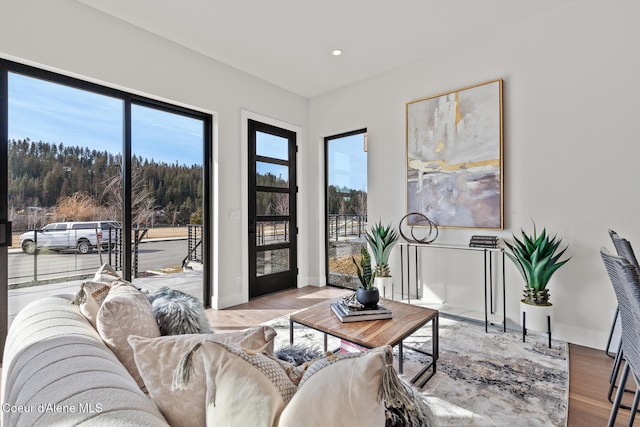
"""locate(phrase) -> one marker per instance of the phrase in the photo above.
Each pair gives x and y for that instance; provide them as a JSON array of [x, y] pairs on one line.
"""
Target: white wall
[[571, 148], [69, 37]]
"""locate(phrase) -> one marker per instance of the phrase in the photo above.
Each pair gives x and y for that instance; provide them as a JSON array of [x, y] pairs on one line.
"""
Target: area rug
[[482, 379]]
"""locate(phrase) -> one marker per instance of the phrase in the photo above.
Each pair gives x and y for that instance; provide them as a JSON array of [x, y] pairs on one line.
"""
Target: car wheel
[[84, 247], [29, 247]]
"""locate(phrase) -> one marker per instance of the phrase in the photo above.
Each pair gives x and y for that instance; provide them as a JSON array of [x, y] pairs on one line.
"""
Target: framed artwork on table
[[454, 157]]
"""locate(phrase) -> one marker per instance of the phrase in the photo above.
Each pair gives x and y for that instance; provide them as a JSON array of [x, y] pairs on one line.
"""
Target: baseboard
[[226, 301]]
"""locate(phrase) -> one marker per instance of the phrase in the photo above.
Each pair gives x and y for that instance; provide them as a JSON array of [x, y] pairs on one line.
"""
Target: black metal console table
[[405, 256]]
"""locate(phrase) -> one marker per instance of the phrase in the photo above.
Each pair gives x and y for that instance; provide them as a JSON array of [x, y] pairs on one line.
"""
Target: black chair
[[624, 250], [625, 278]]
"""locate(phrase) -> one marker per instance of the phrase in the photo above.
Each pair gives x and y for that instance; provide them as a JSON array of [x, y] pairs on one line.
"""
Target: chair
[[625, 279], [624, 250]]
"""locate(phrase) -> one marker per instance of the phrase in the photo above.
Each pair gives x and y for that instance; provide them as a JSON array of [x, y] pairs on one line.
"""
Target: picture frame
[[454, 157]]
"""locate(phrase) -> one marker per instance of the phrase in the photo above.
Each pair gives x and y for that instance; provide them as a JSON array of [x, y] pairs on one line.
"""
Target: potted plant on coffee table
[[381, 240], [537, 257], [367, 294]]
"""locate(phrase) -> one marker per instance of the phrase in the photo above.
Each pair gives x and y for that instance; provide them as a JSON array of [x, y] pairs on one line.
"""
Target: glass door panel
[[64, 150], [167, 203], [346, 200]]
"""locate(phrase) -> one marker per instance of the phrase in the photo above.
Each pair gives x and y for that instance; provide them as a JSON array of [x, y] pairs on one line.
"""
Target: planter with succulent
[[537, 258], [381, 240], [367, 294]]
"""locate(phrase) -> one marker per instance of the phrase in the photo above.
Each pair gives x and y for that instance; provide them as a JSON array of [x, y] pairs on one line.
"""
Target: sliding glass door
[[93, 176], [64, 145], [167, 195]]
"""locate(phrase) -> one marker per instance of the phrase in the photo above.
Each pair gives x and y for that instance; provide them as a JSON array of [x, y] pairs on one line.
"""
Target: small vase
[[536, 315], [384, 285], [368, 297]]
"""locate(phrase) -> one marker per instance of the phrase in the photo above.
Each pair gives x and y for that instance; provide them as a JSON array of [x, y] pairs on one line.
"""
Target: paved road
[[153, 255]]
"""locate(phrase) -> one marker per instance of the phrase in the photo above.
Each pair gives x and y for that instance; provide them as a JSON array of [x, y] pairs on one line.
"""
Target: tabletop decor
[[367, 294], [381, 240]]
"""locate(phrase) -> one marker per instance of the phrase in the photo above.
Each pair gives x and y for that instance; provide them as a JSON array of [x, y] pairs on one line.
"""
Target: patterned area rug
[[482, 379]]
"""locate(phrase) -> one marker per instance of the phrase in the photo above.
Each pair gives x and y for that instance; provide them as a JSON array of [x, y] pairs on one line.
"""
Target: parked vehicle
[[60, 236]]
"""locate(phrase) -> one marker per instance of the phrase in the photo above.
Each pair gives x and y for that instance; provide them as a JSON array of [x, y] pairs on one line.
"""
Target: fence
[[344, 225]]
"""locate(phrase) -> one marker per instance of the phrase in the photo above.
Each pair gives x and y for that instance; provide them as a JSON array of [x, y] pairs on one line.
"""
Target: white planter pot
[[385, 286], [536, 316]]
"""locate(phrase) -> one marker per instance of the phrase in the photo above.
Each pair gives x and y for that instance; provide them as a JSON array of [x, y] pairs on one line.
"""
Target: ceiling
[[289, 42]]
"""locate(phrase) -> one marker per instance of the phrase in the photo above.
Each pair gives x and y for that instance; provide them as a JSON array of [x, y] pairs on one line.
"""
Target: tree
[[79, 206], [196, 217]]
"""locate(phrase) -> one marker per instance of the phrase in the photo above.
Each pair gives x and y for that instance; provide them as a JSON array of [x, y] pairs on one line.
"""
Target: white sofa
[[57, 371]]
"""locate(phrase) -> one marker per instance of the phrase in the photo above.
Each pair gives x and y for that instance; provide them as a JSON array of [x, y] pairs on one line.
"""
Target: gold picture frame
[[454, 157]]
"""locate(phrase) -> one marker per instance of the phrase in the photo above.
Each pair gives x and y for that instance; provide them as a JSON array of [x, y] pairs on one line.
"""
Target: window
[[346, 205], [94, 157]]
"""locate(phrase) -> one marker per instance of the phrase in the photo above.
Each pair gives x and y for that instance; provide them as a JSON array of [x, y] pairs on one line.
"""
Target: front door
[[272, 209]]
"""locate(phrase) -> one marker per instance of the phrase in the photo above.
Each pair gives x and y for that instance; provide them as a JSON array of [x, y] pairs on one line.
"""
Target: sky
[[348, 162], [53, 113]]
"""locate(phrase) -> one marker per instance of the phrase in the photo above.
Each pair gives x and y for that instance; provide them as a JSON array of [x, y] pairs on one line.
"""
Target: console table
[[406, 264]]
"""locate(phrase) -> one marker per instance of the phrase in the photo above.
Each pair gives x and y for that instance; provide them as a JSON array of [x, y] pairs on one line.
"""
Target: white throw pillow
[[89, 298], [245, 388], [340, 390], [157, 358], [106, 274], [126, 311]]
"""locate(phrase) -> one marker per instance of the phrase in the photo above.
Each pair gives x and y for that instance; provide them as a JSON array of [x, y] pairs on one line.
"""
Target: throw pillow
[[156, 359], [89, 298], [106, 274], [178, 313], [243, 388], [348, 383], [126, 311]]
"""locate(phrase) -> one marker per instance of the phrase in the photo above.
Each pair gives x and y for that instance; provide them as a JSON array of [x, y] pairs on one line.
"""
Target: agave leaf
[[381, 240], [536, 256]]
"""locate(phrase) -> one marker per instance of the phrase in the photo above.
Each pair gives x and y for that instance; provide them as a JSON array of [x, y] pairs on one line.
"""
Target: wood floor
[[589, 369]]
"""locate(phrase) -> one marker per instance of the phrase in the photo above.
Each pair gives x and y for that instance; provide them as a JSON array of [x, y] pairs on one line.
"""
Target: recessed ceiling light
[[337, 52]]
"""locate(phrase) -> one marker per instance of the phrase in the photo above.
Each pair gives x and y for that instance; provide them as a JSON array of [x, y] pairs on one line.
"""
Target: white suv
[[59, 236]]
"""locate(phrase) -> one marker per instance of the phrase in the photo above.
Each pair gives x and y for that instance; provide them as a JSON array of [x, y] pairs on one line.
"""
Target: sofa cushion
[[126, 311], [106, 274], [157, 358], [54, 356], [245, 388], [90, 297], [350, 382]]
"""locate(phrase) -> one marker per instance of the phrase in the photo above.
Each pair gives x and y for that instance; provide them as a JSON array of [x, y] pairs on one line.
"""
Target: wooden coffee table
[[406, 320]]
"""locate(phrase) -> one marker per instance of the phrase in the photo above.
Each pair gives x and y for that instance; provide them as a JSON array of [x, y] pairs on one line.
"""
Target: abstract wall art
[[454, 157]]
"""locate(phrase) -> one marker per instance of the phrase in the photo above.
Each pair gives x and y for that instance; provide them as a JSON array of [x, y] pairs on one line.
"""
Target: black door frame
[[262, 285], [128, 99], [326, 198]]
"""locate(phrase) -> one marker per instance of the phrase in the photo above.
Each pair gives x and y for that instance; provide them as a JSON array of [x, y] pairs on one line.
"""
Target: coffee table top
[[369, 333]]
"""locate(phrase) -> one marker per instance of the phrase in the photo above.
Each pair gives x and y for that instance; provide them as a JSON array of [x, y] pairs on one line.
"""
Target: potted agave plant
[[537, 258], [381, 240], [367, 294]]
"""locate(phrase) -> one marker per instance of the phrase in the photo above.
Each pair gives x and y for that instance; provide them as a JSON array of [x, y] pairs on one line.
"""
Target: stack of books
[[352, 314], [484, 241]]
